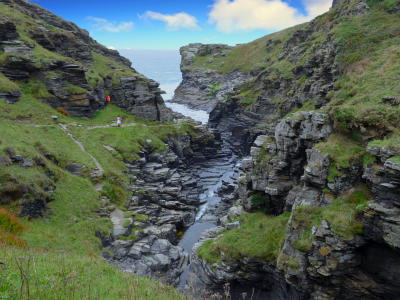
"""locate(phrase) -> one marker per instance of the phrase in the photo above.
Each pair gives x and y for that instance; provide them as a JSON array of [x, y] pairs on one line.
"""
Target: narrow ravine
[[215, 179], [213, 176]]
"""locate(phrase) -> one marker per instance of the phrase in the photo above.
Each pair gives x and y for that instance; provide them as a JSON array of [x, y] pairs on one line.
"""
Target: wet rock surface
[[167, 189]]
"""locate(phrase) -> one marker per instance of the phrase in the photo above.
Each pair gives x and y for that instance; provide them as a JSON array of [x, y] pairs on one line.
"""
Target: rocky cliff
[[202, 86], [165, 196], [53, 60], [317, 213]]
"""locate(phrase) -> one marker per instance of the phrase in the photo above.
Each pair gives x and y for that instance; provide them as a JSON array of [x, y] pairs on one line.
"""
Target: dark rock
[[33, 208], [10, 97], [76, 169]]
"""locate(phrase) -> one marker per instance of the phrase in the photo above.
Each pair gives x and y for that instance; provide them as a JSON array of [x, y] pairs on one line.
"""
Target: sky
[[163, 24]]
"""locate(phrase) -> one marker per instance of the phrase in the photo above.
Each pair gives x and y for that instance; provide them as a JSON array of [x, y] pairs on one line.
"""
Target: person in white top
[[119, 121]]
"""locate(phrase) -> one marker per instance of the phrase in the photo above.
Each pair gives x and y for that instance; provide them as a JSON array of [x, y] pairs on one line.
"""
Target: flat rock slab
[[118, 219]]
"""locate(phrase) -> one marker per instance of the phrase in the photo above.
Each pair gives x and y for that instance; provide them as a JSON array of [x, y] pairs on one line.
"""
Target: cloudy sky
[[164, 24]]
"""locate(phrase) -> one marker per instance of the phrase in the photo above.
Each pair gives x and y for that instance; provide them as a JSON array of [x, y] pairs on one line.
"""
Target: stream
[[219, 172], [212, 175]]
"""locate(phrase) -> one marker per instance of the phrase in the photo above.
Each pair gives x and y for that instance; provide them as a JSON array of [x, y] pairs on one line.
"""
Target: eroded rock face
[[66, 75], [203, 88], [166, 194], [291, 173]]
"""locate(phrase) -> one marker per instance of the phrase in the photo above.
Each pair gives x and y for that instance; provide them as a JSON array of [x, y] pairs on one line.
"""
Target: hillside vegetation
[[50, 187], [343, 65]]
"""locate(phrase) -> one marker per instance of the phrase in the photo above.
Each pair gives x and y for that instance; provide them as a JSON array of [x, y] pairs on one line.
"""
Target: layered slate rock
[[165, 195], [203, 88], [71, 69]]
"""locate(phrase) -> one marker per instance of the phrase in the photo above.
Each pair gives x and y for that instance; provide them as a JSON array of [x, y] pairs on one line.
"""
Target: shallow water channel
[[211, 176]]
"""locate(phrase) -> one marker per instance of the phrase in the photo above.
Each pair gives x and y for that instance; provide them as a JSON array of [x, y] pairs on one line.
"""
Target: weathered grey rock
[[27, 163], [195, 88], [76, 169], [10, 97], [316, 171]]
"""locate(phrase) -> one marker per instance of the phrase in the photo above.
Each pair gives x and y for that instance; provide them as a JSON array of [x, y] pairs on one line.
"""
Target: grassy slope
[[62, 250], [260, 236], [101, 68], [248, 56], [55, 275], [73, 222], [369, 56]]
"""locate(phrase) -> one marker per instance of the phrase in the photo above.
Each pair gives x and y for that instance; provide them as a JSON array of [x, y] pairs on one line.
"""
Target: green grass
[[247, 57], [74, 222], [214, 89], [74, 89], [115, 192], [248, 95], [109, 115], [34, 142], [29, 110], [395, 159], [6, 85], [343, 153], [392, 143], [59, 275], [10, 223], [127, 141], [260, 236], [127, 222], [132, 236], [343, 215], [141, 217], [36, 89], [369, 56], [105, 67]]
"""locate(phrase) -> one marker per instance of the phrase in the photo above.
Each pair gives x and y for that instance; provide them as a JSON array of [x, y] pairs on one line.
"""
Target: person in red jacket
[[108, 99]]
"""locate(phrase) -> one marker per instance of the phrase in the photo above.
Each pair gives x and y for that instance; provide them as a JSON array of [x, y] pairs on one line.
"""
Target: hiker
[[108, 99], [119, 121]]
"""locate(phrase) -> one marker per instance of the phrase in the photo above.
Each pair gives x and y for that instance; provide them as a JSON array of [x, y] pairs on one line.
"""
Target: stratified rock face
[[76, 70], [291, 172], [166, 193], [293, 164], [202, 88]]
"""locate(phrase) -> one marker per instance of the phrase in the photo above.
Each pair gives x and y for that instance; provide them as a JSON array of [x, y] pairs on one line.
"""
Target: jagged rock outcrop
[[203, 88], [165, 194], [292, 173], [342, 196], [68, 68]]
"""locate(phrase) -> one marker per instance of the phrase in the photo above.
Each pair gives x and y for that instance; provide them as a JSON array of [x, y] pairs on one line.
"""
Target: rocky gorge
[[290, 192], [337, 194]]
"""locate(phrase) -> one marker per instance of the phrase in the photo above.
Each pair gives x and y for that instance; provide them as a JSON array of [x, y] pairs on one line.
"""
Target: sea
[[163, 66]]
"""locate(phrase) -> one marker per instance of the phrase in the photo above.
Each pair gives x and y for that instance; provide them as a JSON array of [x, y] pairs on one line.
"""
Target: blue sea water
[[164, 67], [160, 65]]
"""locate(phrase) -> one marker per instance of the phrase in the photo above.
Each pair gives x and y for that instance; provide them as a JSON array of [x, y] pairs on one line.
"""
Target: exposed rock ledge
[[202, 88]]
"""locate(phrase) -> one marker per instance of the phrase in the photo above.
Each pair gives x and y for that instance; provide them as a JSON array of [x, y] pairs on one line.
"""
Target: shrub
[[62, 111], [10, 223], [342, 214], [9, 239]]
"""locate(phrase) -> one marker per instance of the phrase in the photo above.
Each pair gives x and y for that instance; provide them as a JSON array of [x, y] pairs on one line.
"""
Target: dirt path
[[112, 125], [99, 169]]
